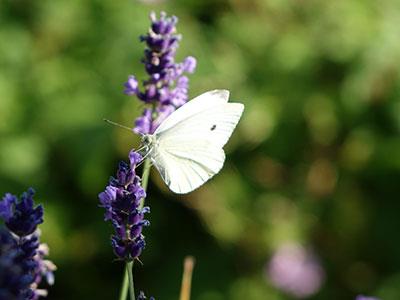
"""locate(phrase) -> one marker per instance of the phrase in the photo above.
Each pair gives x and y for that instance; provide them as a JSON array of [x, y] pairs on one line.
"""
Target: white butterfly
[[187, 146]]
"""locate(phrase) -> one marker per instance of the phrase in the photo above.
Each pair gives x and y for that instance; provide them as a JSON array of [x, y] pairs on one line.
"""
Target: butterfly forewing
[[188, 149], [214, 125], [198, 104]]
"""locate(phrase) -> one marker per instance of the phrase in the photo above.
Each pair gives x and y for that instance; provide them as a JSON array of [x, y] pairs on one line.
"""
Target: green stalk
[[145, 178], [124, 287], [129, 266], [127, 282]]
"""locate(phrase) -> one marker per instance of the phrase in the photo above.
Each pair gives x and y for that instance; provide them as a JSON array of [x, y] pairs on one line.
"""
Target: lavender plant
[[166, 89], [163, 92], [22, 257], [122, 203]]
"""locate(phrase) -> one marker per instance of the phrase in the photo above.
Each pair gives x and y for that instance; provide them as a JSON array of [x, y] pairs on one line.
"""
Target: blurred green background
[[315, 159]]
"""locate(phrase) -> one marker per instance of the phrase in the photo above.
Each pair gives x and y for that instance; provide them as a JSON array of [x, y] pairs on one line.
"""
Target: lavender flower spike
[[121, 200], [166, 89], [21, 250]]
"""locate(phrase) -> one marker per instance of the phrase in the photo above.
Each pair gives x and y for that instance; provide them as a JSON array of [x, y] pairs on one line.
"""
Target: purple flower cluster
[[22, 257], [296, 271], [362, 297], [14, 282], [122, 202], [167, 87]]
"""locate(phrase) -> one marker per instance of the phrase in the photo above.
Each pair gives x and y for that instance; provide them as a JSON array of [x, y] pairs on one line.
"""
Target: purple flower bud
[[136, 219], [136, 230], [180, 92], [131, 86], [134, 158], [139, 193], [120, 229], [6, 206], [119, 247], [137, 247], [145, 210], [143, 124], [155, 77], [108, 195], [21, 217], [45, 268], [151, 92], [190, 64]]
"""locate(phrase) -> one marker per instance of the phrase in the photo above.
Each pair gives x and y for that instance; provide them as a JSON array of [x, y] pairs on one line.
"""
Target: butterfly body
[[186, 148]]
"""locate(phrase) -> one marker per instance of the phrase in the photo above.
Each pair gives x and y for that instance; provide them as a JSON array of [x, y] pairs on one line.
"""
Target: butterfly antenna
[[117, 124], [144, 156]]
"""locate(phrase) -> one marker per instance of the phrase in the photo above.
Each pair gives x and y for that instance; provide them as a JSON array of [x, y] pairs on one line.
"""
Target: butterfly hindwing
[[184, 169]]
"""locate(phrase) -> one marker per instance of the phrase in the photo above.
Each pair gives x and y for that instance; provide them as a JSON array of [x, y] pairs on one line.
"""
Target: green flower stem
[[125, 285], [128, 277], [145, 178], [129, 266]]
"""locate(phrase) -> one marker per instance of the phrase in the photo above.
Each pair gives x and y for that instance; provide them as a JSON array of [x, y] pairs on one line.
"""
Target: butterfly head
[[148, 141]]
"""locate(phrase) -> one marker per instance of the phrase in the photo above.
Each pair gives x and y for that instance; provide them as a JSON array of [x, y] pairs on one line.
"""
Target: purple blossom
[[131, 86], [21, 247], [121, 201], [166, 89], [296, 271], [44, 269], [362, 297], [19, 215]]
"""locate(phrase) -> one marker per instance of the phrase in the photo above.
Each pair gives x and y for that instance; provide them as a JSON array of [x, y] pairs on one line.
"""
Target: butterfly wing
[[200, 103], [184, 169], [188, 149]]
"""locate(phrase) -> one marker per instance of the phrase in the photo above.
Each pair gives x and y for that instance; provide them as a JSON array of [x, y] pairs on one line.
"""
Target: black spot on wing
[[213, 127]]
